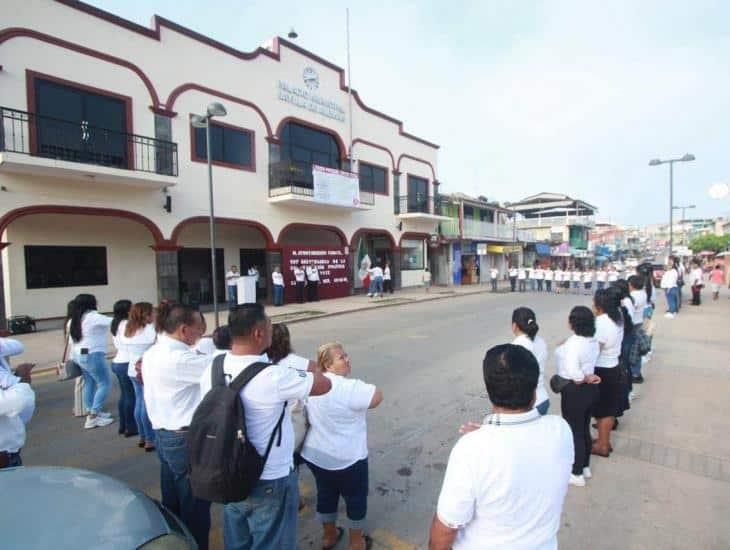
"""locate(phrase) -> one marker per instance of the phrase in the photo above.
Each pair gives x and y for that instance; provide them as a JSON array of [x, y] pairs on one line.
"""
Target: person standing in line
[[576, 360], [539, 277], [669, 284], [522, 278], [588, 281], [495, 494], [376, 281], [609, 333], [577, 277], [171, 371], [120, 365], [278, 279], [601, 277], [89, 335], [716, 280], [300, 279], [17, 404], [267, 519], [387, 279], [137, 337], [313, 283], [697, 281], [639, 303], [493, 278], [525, 328], [513, 274], [427, 280], [336, 447], [612, 275], [531, 281], [558, 279], [232, 285], [549, 276], [681, 272]]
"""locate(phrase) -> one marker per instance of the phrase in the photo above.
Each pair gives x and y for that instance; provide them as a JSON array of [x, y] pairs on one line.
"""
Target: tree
[[710, 242]]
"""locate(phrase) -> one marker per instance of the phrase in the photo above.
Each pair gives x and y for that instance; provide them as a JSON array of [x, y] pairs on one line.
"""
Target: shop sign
[[495, 249], [331, 264], [332, 186], [306, 98], [482, 249]]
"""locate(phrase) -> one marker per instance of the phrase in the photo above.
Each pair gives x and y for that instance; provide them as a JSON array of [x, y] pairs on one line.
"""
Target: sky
[[563, 96]]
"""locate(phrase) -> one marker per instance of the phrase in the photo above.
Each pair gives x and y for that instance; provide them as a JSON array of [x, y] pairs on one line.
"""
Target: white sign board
[[246, 289], [337, 187], [482, 249]]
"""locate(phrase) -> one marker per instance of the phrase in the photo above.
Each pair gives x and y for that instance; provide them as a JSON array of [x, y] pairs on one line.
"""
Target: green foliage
[[710, 242]]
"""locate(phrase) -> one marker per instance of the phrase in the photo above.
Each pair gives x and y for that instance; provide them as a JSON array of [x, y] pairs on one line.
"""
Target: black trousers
[[512, 283], [312, 291], [387, 286], [576, 406], [696, 289], [548, 286], [300, 291]]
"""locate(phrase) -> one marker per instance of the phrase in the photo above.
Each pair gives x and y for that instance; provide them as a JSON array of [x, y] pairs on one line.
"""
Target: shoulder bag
[[67, 369]]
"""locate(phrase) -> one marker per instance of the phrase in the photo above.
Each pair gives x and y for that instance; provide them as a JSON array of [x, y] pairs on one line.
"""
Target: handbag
[[558, 383], [79, 408], [67, 369]]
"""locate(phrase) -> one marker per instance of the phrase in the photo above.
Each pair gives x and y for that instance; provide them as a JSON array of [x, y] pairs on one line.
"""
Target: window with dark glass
[[373, 178], [417, 194], [301, 147], [486, 215], [232, 146], [468, 211], [61, 266]]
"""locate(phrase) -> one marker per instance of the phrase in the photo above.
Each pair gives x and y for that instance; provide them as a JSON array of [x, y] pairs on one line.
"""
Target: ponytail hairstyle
[[626, 320], [139, 316], [607, 300], [69, 313], [525, 320], [82, 304], [121, 313]]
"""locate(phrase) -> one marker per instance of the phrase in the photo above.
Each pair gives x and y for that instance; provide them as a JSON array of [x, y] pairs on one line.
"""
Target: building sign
[[336, 187], [331, 264], [495, 249], [482, 249], [307, 98]]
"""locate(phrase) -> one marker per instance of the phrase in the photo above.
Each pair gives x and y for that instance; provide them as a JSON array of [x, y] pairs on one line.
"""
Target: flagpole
[[349, 84]]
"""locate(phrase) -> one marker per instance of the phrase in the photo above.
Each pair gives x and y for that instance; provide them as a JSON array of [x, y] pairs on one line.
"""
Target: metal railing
[[410, 204], [545, 221], [450, 228], [295, 178], [42, 136]]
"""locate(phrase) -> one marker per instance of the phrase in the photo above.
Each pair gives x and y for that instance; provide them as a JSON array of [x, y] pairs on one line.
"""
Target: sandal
[[340, 533]]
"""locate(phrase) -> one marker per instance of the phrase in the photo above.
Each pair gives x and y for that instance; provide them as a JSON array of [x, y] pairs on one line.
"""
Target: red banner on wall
[[332, 264]]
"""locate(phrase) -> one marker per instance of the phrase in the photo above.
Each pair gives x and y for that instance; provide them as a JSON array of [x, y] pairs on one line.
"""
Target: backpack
[[224, 464]]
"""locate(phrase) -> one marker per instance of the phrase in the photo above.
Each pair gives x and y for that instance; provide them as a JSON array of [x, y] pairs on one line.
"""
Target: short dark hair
[[582, 321], [243, 318], [636, 281], [222, 337], [178, 315], [510, 375]]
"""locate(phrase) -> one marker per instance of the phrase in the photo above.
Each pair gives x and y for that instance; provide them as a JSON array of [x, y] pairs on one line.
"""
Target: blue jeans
[[600, 285], [351, 484], [177, 496], [278, 295], [494, 285], [533, 284], [97, 380], [376, 285], [232, 295], [267, 519], [14, 460], [672, 294], [144, 426], [543, 407], [127, 400]]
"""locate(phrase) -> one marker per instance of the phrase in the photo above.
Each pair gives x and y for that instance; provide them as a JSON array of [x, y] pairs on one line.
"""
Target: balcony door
[[302, 147], [80, 126], [417, 194]]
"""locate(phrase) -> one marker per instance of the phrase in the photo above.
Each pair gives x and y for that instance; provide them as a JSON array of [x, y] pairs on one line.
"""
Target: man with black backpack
[[242, 450]]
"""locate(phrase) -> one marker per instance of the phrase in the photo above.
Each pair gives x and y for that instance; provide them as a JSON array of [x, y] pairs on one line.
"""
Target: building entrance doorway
[[194, 273], [255, 257]]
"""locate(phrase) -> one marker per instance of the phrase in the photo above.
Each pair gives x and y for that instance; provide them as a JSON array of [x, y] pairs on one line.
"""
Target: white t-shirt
[[494, 273], [253, 272], [377, 272], [137, 344], [312, 274], [338, 432], [299, 274], [386, 274], [588, 277], [539, 349], [539, 274], [498, 492], [695, 277], [121, 356], [17, 404], [549, 275], [576, 357], [263, 399], [577, 276], [609, 335], [277, 278], [513, 272], [294, 362], [94, 333], [521, 274], [612, 276], [601, 276], [232, 278], [530, 273], [205, 346], [640, 302], [559, 276], [669, 279]]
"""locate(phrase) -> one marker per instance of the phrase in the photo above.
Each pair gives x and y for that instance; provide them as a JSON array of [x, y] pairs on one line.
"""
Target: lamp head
[[655, 162], [292, 34], [198, 121], [687, 157], [216, 109]]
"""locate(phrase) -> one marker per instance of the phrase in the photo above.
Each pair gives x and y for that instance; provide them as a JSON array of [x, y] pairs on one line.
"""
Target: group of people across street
[[562, 278]]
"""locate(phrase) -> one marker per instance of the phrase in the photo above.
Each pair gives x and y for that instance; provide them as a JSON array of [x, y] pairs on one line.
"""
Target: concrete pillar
[[3, 313], [168, 279], [395, 269]]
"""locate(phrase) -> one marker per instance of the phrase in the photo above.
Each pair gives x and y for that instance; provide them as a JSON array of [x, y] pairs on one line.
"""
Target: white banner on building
[[333, 186]]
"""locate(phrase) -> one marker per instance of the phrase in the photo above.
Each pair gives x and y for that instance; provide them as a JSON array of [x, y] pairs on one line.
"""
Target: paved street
[[665, 486]]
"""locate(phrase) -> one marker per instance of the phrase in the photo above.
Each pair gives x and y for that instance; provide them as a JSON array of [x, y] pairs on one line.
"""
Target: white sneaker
[[97, 422], [587, 474], [669, 315], [104, 414], [577, 481], [370, 295]]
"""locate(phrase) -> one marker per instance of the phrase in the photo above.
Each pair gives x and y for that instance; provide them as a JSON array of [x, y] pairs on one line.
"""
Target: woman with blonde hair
[[336, 448]]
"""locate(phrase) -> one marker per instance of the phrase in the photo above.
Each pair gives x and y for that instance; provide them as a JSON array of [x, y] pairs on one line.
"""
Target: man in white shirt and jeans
[[268, 517], [497, 493], [232, 285], [171, 371]]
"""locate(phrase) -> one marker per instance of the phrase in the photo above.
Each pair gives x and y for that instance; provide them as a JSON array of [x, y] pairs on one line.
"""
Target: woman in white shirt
[[120, 365], [638, 297], [671, 290], [549, 276], [387, 279], [336, 448], [138, 336], [525, 328], [522, 278], [576, 358], [696, 281], [609, 333], [588, 281], [577, 278], [558, 280], [88, 330]]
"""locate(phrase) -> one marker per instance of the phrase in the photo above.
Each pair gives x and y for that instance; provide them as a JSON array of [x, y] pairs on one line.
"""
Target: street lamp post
[[683, 209], [656, 162], [203, 121]]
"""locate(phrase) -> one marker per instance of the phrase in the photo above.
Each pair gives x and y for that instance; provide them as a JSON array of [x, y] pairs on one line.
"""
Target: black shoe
[[637, 379]]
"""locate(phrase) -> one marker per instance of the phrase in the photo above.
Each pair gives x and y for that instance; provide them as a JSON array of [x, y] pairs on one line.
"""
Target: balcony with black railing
[[417, 206], [42, 145], [292, 182]]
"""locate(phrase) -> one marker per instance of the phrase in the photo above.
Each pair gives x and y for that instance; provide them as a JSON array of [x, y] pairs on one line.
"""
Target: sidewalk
[[44, 348]]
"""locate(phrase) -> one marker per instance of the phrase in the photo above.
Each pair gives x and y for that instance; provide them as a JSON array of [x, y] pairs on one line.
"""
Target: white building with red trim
[[104, 181]]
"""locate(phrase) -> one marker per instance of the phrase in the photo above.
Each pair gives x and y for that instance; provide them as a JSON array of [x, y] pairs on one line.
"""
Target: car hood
[[48, 507]]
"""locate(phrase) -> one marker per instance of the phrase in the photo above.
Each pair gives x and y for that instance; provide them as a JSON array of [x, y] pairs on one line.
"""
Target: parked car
[[53, 507], [21, 324]]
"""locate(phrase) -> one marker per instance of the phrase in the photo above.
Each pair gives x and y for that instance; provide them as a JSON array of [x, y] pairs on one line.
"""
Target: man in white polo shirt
[[268, 517], [171, 372], [313, 283], [497, 492]]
